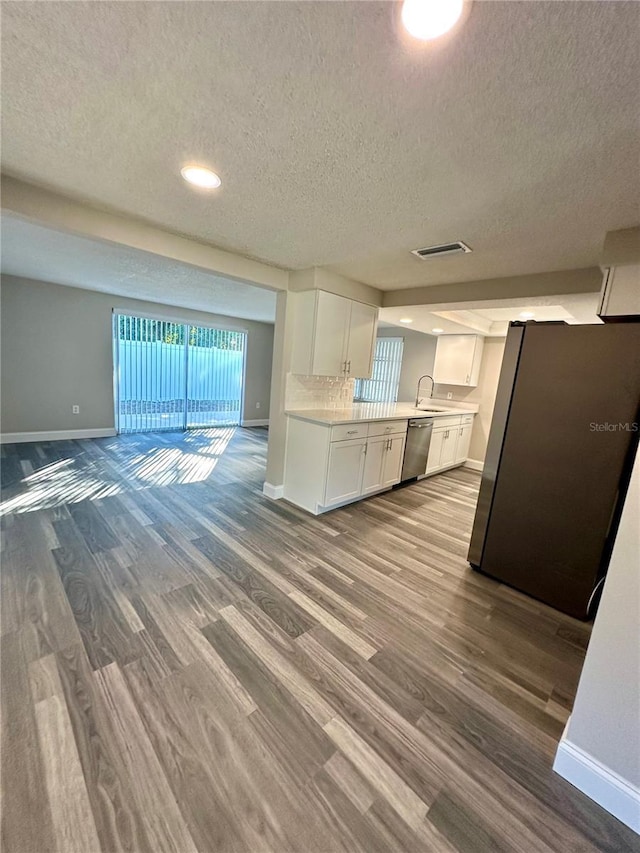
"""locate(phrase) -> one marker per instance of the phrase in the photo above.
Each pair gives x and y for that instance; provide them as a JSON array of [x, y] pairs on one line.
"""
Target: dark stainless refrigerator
[[562, 441]]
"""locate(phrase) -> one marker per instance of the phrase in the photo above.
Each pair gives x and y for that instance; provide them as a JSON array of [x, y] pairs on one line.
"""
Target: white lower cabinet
[[376, 451], [346, 467], [435, 451], [379, 466], [450, 441], [329, 466], [464, 440], [448, 452], [392, 467], [383, 463]]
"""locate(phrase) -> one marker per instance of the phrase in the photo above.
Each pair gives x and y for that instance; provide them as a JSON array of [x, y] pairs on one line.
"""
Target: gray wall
[[418, 358], [418, 355], [57, 351]]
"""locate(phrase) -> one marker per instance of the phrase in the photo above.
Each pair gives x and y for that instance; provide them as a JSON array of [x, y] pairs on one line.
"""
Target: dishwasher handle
[[421, 423]]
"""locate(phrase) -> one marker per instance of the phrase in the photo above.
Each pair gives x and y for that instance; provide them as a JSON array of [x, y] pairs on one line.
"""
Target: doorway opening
[[176, 375]]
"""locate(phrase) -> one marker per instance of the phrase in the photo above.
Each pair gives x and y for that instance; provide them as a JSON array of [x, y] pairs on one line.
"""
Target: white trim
[[273, 492], [55, 435], [257, 422], [599, 782], [474, 464]]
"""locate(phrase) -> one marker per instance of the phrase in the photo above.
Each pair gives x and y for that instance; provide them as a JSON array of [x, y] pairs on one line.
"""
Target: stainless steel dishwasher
[[417, 448]]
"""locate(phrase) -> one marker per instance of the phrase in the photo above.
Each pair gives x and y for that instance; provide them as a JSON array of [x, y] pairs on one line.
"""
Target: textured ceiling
[[340, 143], [31, 251]]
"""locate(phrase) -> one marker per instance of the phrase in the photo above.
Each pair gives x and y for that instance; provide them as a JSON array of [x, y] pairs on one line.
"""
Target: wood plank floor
[[187, 666]]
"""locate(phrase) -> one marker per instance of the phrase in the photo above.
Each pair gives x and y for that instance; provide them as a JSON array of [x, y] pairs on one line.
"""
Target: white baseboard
[[257, 422], [273, 492], [474, 464], [55, 435], [597, 781]]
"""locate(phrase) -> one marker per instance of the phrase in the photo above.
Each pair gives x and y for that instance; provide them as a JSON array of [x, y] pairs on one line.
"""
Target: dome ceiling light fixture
[[430, 19]]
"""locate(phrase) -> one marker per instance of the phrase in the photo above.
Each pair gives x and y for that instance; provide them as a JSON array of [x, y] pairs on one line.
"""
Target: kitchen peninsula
[[339, 455]]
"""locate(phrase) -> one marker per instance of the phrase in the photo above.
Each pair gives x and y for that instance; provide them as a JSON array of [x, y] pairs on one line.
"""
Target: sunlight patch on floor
[[64, 481]]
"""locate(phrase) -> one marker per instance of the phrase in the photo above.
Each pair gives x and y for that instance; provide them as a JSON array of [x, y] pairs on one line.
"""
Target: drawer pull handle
[[352, 432]]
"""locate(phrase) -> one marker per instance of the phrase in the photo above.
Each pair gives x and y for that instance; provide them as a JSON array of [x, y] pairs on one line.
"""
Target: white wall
[[57, 351], [600, 750]]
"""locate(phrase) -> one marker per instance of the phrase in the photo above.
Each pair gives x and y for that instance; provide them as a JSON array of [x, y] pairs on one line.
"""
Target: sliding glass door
[[215, 374], [174, 376]]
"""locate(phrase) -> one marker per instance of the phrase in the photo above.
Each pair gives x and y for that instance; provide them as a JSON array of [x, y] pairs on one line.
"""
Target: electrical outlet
[[449, 395], [75, 410], [258, 405]]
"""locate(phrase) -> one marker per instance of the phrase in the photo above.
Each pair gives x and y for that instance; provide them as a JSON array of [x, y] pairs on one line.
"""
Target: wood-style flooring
[[188, 666]]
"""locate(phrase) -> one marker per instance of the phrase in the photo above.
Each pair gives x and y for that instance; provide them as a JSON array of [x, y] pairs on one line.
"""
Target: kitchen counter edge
[[334, 417]]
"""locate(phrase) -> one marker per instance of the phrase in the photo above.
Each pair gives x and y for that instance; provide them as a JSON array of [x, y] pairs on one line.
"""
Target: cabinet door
[[435, 450], [621, 292], [330, 335], [392, 463], [449, 442], [464, 440], [454, 364], [374, 464], [361, 340], [344, 476]]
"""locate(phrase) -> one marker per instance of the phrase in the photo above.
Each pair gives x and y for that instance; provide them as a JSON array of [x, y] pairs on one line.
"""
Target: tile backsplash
[[318, 392]]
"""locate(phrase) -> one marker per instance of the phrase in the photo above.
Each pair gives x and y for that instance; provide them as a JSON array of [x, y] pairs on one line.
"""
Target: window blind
[[385, 379]]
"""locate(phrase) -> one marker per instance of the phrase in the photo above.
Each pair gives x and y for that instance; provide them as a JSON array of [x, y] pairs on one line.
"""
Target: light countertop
[[380, 412]]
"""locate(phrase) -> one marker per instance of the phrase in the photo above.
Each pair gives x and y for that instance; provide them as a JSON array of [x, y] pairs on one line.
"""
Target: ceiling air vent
[[457, 248]]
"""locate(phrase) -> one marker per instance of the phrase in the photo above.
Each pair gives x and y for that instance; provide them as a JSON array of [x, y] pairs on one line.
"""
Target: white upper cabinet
[[458, 360], [330, 333], [620, 295], [361, 341], [333, 336]]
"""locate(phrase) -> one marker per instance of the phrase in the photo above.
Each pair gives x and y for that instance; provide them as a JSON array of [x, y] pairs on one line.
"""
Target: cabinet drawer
[[343, 432], [466, 419], [387, 427], [446, 423]]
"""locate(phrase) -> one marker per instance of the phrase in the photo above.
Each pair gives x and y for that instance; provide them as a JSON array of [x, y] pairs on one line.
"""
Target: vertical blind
[[175, 376], [385, 379]]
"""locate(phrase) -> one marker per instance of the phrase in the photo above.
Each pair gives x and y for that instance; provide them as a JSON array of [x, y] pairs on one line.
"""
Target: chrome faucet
[[433, 385]]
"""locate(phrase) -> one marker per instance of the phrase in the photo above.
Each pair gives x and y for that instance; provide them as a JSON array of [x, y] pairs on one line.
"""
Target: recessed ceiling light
[[428, 19], [406, 320], [437, 331], [527, 315], [199, 176]]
